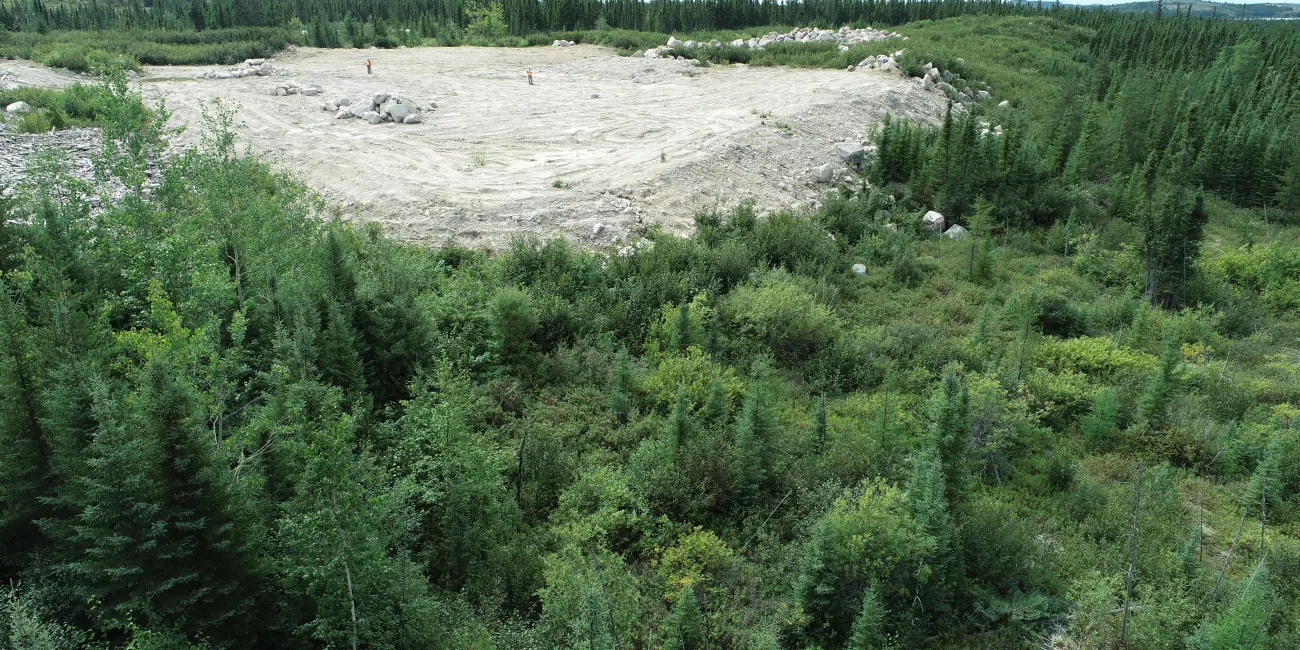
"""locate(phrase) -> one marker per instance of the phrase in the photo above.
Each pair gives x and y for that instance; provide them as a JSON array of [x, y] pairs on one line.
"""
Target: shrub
[[777, 312]]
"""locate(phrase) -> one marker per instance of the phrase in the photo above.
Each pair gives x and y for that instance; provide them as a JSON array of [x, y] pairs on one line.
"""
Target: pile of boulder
[[844, 36], [292, 88], [562, 43], [377, 108], [250, 68], [882, 62]]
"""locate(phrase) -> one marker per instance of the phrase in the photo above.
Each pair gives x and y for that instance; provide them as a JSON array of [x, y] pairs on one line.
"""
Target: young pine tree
[[869, 626], [620, 386], [1099, 424], [1163, 382], [686, 622], [950, 431], [755, 429]]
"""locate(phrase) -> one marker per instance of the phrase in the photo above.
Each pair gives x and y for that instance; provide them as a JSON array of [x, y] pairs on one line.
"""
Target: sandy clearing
[[632, 140]]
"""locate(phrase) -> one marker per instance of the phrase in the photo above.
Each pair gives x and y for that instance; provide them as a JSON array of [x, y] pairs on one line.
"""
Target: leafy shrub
[[777, 312]]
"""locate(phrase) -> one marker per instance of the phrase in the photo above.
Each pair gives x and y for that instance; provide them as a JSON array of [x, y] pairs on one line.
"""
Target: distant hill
[[1262, 11]]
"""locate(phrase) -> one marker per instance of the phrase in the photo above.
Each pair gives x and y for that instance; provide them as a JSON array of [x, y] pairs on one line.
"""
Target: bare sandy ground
[[629, 140]]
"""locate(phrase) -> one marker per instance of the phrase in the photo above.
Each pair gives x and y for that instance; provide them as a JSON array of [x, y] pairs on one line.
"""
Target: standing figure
[[530, 76], [367, 66]]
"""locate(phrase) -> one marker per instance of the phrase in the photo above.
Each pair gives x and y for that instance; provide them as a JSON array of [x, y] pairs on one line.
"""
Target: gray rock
[[372, 117], [933, 221], [946, 76], [851, 68], [597, 229], [673, 42], [18, 107], [413, 118], [343, 101], [310, 92], [891, 227], [859, 269], [398, 111], [638, 54], [956, 232], [850, 153], [343, 113], [329, 106], [379, 98], [254, 62], [927, 83], [1004, 104], [982, 94], [825, 173], [282, 91]]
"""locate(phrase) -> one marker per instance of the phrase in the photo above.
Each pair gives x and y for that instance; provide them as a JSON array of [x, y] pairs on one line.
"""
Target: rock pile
[[251, 68], [844, 36], [380, 107], [292, 88], [562, 43]]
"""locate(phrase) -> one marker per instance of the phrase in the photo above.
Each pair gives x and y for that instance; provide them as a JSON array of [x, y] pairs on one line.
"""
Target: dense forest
[[229, 419]]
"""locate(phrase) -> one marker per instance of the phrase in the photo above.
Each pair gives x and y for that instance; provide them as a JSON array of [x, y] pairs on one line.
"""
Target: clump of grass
[[559, 184], [479, 159], [76, 105]]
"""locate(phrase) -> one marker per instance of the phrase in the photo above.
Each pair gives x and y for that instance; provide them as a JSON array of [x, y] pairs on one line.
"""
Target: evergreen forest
[[230, 419]]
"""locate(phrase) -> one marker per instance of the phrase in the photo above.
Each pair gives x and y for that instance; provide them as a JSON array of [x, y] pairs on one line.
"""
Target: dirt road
[[600, 139]]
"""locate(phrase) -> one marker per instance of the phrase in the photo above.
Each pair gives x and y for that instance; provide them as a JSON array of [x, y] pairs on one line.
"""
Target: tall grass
[[76, 105]]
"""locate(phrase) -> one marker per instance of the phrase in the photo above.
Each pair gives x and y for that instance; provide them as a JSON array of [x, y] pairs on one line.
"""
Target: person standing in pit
[[530, 76], [367, 66]]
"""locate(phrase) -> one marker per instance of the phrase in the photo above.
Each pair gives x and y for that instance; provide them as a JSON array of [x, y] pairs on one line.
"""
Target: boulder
[[850, 153], [398, 112], [891, 227], [673, 42], [254, 63], [638, 54], [597, 229], [372, 117], [18, 107], [738, 42], [933, 221], [824, 174], [282, 92], [343, 101], [329, 106], [859, 269], [889, 66], [982, 94], [413, 118], [343, 113], [310, 92], [927, 83], [956, 232], [1004, 104], [380, 98]]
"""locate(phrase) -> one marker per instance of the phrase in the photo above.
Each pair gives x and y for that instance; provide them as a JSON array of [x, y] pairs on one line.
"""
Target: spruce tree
[[686, 624], [1163, 382], [24, 451], [755, 430], [620, 386], [680, 426], [950, 431], [869, 626], [1098, 426]]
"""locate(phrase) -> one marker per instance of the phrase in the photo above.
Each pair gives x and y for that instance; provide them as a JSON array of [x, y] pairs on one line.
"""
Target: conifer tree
[[869, 626], [1098, 426], [620, 386], [1163, 382], [686, 622], [680, 426], [949, 432], [755, 430]]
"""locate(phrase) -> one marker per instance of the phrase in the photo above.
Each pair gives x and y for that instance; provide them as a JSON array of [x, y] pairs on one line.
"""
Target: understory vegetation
[[228, 419]]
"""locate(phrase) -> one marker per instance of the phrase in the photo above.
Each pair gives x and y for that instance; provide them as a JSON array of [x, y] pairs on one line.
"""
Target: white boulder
[[850, 153], [859, 269], [413, 118], [18, 107], [956, 232], [933, 221]]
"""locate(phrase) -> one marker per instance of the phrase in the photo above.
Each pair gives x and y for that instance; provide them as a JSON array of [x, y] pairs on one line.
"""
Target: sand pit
[[600, 139]]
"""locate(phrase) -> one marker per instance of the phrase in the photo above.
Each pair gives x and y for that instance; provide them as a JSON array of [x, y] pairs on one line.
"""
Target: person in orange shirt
[[367, 66], [530, 76]]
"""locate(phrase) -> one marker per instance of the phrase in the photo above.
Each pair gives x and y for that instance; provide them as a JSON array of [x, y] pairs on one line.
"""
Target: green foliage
[[867, 537], [869, 625]]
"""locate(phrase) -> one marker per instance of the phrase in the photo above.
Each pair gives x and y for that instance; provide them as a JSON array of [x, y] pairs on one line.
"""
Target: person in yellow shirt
[[530, 76], [367, 66]]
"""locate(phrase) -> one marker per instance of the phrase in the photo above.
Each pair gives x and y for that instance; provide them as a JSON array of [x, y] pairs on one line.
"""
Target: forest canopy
[[230, 419]]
